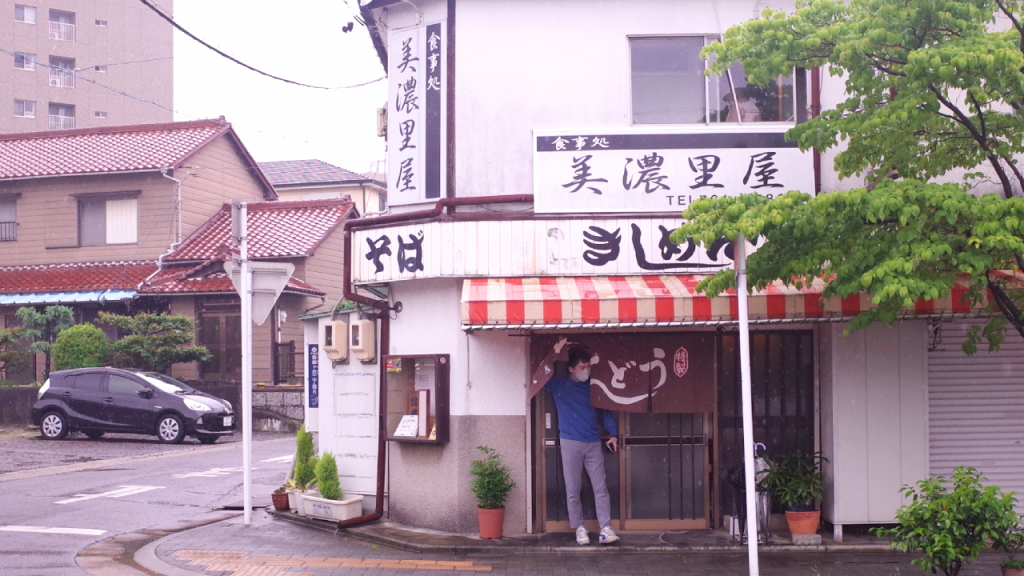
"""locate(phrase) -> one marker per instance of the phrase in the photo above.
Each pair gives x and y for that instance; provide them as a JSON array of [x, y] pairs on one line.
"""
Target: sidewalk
[[273, 546]]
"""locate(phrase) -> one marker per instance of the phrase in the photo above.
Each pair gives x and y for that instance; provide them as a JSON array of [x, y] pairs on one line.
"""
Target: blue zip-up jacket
[[577, 419]]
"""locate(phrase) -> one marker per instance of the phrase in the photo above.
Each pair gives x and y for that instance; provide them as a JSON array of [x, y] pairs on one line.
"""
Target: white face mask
[[583, 375]]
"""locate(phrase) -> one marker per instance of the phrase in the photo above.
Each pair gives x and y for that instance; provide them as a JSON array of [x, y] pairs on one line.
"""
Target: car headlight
[[197, 406], [226, 403]]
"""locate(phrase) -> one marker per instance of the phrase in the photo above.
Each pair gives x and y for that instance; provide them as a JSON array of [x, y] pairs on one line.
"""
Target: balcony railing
[[62, 78], [61, 122], [8, 231], [62, 31]]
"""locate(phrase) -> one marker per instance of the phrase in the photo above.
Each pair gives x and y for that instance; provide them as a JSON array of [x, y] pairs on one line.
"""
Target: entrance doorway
[[676, 448]]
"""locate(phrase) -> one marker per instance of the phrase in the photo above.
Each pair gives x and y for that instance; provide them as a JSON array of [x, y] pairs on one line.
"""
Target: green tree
[[154, 341], [931, 86], [12, 360], [81, 346], [42, 328]]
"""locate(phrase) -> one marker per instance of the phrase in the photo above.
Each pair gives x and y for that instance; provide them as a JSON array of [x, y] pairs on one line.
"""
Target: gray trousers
[[576, 456]]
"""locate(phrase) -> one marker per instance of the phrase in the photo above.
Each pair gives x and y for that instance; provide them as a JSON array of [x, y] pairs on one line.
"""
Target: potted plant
[[1011, 543], [491, 484], [280, 498], [330, 505], [304, 473], [796, 481], [952, 521]]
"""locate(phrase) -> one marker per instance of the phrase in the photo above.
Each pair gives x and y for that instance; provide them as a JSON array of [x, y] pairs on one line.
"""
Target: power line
[[240, 63], [123, 63], [169, 109]]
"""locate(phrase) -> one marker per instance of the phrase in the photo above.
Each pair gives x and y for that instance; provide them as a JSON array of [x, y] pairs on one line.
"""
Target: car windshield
[[167, 384]]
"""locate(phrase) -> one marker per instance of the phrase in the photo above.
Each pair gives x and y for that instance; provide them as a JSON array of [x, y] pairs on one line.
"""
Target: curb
[[134, 553], [368, 534]]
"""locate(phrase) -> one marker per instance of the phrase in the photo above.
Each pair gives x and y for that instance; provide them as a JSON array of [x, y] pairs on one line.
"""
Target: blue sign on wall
[[314, 376]]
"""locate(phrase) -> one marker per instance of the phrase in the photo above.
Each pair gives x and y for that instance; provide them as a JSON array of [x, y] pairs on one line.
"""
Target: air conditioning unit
[[55, 81]]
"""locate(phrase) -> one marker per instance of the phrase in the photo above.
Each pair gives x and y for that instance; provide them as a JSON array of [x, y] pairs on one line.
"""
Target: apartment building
[[82, 64]]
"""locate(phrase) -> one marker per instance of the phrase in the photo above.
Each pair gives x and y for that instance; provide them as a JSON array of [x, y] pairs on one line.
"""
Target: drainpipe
[[385, 321], [177, 201], [815, 111]]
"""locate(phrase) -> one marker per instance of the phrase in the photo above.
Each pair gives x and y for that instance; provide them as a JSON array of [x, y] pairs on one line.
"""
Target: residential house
[[316, 179], [89, 213], [535, 171], [83, 64]]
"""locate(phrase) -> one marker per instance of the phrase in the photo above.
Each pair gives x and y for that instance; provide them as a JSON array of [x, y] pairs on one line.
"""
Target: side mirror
[[146, 393]]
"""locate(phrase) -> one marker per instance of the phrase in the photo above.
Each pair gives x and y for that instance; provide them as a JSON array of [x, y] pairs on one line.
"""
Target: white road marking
[[124, 491], [44, 530], [211, 473], [278, 459]]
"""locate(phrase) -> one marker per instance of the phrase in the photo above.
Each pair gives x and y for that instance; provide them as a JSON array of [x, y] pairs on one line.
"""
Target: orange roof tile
[[77, 277]]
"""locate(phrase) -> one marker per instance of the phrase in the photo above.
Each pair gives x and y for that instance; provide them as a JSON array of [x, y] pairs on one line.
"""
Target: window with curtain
[[107, 221], [669, 86]]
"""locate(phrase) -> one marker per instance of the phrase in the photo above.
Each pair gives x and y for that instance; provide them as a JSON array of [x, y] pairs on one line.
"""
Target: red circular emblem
[[681, 361]]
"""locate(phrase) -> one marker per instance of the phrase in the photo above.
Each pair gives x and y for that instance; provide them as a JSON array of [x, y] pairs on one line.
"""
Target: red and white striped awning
[[659, 301]]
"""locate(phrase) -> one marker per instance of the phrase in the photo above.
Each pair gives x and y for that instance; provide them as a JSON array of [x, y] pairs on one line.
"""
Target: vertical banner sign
[[416, 119], [314, 375]]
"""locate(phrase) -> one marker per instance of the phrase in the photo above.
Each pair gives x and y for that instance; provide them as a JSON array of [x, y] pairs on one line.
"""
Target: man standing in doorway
[[580, 439]]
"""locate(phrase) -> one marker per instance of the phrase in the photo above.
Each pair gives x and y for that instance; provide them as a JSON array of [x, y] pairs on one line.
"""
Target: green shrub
[[327, 477], [951, 527], [491, 480], [305, 460], [81, 346], [796, 480]]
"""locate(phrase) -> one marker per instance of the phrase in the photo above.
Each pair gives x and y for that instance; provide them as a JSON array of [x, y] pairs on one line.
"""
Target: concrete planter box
[[317, 507]]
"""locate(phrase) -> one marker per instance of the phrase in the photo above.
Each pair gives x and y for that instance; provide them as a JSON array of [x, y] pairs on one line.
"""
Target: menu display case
[[416, 387]]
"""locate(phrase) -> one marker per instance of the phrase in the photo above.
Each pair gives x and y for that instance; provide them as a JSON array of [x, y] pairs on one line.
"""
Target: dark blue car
[[96, 401]]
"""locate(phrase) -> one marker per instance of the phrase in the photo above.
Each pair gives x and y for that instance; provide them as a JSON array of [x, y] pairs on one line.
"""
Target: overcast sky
[[300, 40]]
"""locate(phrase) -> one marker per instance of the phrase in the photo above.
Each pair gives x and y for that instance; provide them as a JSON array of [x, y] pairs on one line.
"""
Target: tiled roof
[[307, 172], [105, 149], [217, 282], [79, 277], [276, 230]]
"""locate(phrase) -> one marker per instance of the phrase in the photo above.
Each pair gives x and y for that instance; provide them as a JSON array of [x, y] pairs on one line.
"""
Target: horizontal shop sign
[[534, 247], [644, 170]]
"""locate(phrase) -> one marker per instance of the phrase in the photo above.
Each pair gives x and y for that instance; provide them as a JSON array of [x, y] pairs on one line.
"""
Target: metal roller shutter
[[976, 408]]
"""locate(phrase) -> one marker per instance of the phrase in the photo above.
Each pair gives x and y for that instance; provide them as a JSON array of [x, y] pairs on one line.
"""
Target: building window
[[101, 69], [62, 72], [669, 87], [101, 23], [62, 25], [100, 115], [62, 116], [8, 219], [25, 108], [382, 202], [26, 14], [24, 61], [107, 221]]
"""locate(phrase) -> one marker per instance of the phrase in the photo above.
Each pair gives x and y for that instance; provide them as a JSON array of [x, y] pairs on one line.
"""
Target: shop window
[[416, 389], [107, 221], [669, 87]]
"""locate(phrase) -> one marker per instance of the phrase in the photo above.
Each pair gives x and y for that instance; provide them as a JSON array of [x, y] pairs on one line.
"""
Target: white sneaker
[[582, 538], [608, 535]]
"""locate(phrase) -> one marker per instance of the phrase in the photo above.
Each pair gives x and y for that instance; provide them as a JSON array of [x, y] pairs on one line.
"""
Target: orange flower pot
[[491, 521], [1012, 571], [803, 522]]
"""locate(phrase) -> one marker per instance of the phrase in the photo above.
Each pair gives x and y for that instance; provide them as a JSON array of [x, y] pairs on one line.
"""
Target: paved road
[[49, 514]]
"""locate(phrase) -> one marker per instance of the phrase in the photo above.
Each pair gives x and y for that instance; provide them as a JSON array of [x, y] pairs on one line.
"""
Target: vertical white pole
[[246, 369], [748, 411]]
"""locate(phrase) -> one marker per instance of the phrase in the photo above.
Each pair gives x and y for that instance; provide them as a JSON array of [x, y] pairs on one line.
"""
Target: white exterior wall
[[347, 417], [874, 413], [489, 371]]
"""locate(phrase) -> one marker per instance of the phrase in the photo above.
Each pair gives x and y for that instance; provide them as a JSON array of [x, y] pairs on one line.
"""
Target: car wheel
[[170, 430], [94, 434], [54, 426], [207, 439]]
